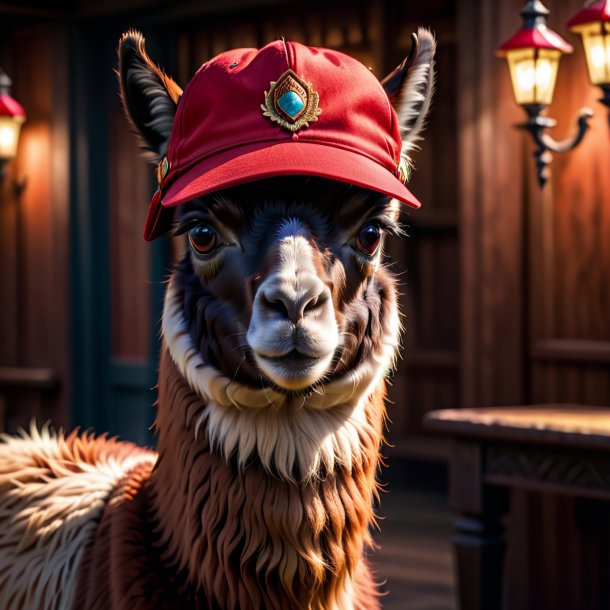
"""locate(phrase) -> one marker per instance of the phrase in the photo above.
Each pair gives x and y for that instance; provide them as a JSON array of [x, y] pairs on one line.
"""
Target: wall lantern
[[533, 55], [592, 22], [12, 116]]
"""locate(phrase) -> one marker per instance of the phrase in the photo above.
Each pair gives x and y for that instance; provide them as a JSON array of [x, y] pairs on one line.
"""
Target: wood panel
[[535, 282], [491, 194], [130, 180], [570, 300], [427, 260], [9, 211], [34, 228], [569, 338]]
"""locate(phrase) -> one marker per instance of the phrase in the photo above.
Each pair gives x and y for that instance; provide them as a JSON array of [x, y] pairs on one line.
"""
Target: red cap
[[285, 109]]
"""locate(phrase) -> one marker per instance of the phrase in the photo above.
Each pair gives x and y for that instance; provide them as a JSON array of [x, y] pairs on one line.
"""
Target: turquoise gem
[[291, 103]]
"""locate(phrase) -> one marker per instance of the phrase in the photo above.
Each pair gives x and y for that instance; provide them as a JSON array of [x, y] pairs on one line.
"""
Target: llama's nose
[[296, 302]]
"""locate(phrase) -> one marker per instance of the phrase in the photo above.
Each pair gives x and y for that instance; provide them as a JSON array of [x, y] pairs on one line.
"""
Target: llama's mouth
[[293, 370], [293, 360]]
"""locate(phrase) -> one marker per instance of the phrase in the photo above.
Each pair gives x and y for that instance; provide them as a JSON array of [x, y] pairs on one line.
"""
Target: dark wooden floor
[[415, 555]]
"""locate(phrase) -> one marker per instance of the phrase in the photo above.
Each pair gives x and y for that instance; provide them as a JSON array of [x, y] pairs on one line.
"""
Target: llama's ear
[[149, 96], [410, 88]]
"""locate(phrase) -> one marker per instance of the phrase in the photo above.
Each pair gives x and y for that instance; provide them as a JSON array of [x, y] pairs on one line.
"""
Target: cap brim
[[266, 160]]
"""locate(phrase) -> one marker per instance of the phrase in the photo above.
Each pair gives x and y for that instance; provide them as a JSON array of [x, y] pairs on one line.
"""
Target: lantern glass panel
[[533, 74], [9, 136], [596, 41]]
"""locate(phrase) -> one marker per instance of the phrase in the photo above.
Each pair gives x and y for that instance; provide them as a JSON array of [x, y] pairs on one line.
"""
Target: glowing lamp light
[[592, 22], [12, 116], [533, 75], [533, 55]]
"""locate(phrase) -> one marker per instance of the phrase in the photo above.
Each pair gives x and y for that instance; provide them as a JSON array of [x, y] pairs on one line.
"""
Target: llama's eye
[[368, 239], [203, 239]]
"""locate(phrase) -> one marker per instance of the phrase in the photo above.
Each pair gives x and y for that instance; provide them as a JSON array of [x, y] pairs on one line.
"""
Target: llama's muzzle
[[293, 332]]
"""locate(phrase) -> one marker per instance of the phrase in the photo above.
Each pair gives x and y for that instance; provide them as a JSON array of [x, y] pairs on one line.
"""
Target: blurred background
[[506, 288]]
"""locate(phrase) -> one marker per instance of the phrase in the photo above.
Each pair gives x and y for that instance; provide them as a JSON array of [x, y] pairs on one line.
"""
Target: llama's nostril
[[275, 304], [315, 302], [310, 305]]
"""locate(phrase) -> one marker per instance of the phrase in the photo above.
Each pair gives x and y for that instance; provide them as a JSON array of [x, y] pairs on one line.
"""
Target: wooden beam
[[28, 377], [571, 350]]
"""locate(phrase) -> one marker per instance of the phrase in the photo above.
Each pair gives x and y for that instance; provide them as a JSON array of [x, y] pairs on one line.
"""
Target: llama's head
[[282, 286]]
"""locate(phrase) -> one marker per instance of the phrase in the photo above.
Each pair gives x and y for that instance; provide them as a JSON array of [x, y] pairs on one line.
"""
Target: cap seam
[[292, 57], [287, 52]]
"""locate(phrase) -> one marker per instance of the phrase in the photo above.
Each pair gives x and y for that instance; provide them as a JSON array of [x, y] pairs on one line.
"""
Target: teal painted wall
[[109, 395]]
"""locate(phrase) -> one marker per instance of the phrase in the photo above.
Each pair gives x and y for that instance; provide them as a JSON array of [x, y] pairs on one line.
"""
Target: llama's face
[[280, 279], [283, 284]]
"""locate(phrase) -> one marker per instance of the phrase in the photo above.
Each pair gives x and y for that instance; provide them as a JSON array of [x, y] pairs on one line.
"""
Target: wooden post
[[478, 539]]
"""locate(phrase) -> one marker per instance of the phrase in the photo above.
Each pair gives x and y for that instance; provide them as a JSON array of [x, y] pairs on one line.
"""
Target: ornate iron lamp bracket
[[537, 124], [606, 99]]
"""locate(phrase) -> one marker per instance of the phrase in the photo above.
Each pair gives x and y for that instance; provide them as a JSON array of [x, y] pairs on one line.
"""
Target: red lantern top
[[591, 13], [9, 107], [534, 33]]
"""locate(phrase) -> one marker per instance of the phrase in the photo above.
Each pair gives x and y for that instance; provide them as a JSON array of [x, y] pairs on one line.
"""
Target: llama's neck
[[251, 540], [266, 502]]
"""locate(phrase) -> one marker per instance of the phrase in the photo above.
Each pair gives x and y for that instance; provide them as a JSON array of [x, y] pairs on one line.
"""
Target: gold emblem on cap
[[291, 102]]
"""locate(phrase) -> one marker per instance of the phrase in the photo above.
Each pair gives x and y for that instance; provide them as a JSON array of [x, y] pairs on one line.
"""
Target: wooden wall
[[535, 263], [535, 288], [506, 288], [130, 184], [570, 322], [428, 259], [34, 245]]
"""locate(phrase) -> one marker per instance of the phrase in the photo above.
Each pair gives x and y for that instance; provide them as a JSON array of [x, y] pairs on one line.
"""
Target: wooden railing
[[39, 384]]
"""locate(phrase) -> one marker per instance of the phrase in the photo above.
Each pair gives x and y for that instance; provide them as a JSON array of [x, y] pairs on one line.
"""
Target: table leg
[[478, 540], [479, 547]]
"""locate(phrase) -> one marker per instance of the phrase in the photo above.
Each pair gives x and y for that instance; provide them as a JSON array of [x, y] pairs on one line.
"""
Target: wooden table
[[563, 449]]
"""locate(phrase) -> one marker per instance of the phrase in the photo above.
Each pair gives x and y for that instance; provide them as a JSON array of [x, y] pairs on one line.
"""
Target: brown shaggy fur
[[210, 536], [53, 492]]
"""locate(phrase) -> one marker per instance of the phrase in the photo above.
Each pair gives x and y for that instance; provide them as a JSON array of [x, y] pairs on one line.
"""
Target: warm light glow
[[596, 42], [525, 74], [544, 73], [598, 56], [533, 74], [9, 136]]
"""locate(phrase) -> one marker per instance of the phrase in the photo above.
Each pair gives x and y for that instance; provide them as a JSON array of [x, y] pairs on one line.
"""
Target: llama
[[279, 327]]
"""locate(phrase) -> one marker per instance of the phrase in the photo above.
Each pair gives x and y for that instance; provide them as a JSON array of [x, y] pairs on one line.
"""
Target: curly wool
[[53, 492]]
